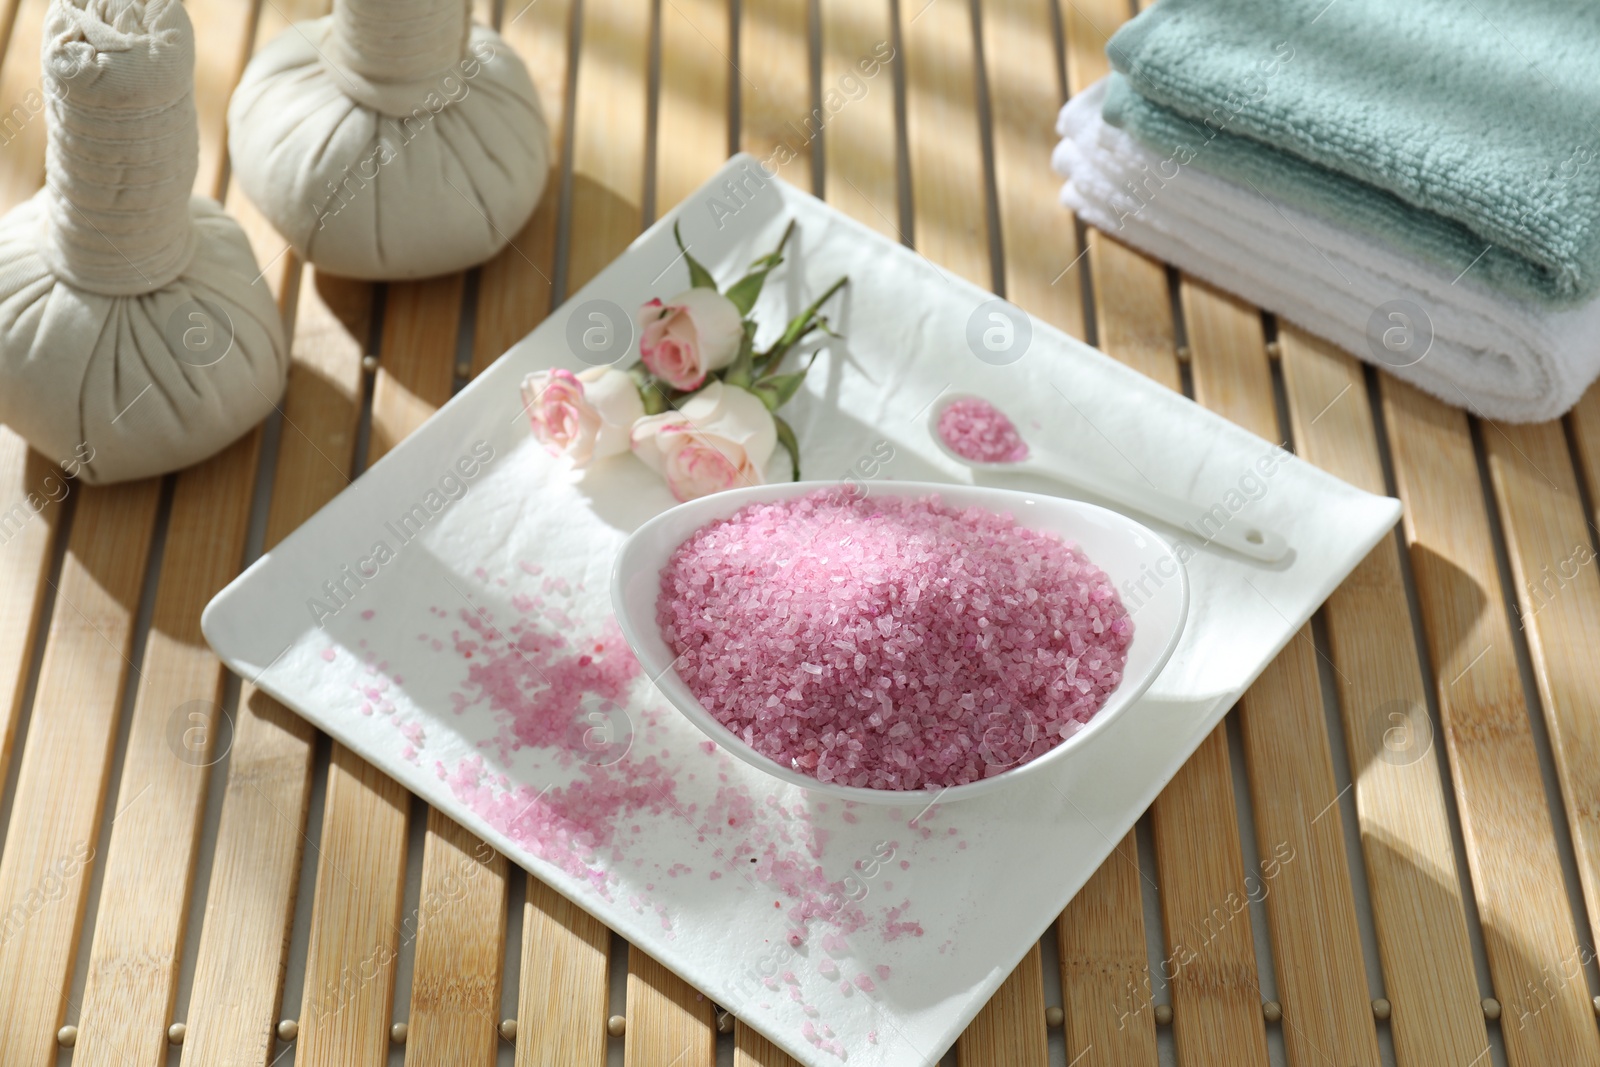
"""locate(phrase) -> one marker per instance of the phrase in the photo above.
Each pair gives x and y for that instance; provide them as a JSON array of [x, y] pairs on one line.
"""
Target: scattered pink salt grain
[[865, 984], [888, 642], [981, 432]]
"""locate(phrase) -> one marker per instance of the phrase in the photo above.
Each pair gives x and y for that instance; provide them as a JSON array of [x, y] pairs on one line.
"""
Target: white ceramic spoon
[[1240, 536]]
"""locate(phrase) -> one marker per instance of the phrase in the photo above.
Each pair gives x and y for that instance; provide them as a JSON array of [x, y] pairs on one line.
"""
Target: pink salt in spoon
[[972, 431]]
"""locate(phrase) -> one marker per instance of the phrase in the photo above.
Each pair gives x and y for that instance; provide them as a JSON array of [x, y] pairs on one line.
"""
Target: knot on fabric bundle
[[398, 41], [123, 146], [392, 139], [136, 333]]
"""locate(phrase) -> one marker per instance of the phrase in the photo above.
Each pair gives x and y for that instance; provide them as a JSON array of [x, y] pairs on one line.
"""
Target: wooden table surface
[[1387, 854]]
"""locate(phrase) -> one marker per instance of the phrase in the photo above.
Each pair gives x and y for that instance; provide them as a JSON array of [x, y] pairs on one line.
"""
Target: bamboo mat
[[1388, 854]]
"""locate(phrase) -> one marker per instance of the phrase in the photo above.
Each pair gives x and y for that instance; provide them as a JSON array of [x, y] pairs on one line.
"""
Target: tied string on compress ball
[[122, 148], [388, 44]]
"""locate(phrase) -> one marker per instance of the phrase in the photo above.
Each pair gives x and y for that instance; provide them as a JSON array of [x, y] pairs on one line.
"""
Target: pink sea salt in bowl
[[1152, 599]]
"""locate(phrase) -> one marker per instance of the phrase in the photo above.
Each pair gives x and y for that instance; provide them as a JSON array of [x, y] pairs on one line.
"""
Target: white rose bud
[[721, 438], [696, 332], [583, 416]]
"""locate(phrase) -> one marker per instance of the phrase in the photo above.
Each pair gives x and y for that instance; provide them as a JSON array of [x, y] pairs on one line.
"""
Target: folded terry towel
[[1462, 132], [1470, 345]]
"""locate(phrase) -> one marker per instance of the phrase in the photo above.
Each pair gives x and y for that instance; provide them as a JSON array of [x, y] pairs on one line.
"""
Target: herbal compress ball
[[136, 333], [392, 139]]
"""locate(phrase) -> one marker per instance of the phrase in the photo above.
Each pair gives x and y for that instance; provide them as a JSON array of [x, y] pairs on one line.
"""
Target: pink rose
[[689, 336], [721, 438], [584, 416]]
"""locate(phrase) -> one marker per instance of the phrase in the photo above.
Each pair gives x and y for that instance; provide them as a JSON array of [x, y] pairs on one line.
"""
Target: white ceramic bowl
[[1125, 550]]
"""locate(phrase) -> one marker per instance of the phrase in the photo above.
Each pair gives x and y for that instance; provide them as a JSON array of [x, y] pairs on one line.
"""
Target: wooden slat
[[8, 19], [1087, 26], [1010, 1029], [951, 224], [1549, 544], [1216, 997], [20, 81], [514, 288], [355, 918], [244, 940], [608, 136], [66, 760], [415, 368], [322, 407], [562, 1000], [693, 107], [461, 932], [668, 1022], [222, 45], [1585, 423], [1132, 310], [32, 488], [1311, 917], [1401, 807], [750, 1049], [775, 49], [1038, 241], [1105, 974], [859, 141], [1528, 930], [1231, 375]]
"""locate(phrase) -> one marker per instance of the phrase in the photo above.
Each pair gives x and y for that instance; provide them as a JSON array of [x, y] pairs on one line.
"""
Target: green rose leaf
[[746, 290], [699, 277], [791, 445]]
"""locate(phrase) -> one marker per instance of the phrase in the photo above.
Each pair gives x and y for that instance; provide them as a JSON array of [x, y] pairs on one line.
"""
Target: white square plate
[[448, 617]]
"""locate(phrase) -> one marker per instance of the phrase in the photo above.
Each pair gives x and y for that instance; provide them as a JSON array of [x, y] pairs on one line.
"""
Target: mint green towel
[[1464, 131]]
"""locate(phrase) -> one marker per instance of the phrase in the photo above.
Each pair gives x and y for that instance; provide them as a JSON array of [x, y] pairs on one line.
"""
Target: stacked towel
[[1498, 355], [1418, 183]]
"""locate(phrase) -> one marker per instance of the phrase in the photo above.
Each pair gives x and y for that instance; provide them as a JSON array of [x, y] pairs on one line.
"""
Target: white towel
[[1500, 357]]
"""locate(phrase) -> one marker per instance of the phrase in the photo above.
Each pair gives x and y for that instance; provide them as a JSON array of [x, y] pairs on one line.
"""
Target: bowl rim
[[670, 684]]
